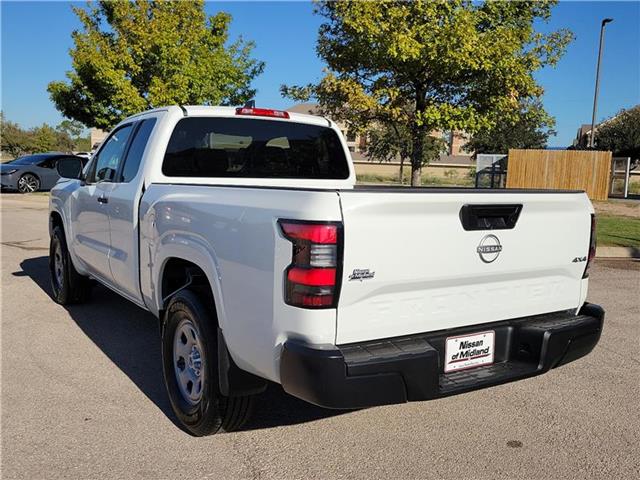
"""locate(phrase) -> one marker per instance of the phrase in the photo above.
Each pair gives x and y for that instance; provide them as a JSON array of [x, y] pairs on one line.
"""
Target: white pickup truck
[[243, 231]]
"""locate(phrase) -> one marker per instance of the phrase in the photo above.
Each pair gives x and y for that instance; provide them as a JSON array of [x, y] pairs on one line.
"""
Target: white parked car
[[243, 231]]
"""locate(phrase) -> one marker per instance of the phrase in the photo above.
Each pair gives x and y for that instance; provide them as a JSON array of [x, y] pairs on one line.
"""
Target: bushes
[[66, 137]]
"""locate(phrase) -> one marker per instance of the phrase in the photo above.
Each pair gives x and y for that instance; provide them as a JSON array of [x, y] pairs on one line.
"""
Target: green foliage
[[458, 65], [388, 142], [14, 140], [72, 128], [132, 56], [44, 139], [66, 137], [621, 134], [83, 143], [73, 132], [531, 129]]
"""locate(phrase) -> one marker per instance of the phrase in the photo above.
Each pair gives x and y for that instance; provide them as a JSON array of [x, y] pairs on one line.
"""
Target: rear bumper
[[410, 368]]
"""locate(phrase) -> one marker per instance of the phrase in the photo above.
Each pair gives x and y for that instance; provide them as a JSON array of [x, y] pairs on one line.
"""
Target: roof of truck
[[224, 111], [220, 111]]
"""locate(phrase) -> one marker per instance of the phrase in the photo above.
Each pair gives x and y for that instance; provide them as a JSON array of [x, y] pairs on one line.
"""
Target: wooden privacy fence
[[562, 170]]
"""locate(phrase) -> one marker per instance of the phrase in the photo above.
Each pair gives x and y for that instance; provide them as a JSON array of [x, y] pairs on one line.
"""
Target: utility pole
[[595, 96]]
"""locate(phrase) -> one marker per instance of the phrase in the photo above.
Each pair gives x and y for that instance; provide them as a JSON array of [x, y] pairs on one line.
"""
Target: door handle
[[103, 200]]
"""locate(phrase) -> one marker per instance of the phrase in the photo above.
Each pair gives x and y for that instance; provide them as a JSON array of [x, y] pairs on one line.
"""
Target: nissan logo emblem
[[489, 248]]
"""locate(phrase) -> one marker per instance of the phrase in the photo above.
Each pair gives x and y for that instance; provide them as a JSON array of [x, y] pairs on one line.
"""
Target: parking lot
[[82, 397]]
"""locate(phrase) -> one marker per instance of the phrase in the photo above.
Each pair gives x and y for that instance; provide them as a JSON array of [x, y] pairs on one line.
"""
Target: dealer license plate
[[469, 351]]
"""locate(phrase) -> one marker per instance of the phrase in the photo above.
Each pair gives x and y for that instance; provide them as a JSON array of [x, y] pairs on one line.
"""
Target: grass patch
[[618, 231]]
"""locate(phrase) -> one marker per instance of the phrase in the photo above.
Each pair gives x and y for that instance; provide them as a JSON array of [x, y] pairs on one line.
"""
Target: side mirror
[[69, 168]]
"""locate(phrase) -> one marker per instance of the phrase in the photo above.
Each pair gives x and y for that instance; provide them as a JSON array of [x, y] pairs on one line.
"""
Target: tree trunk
[[417, 144], [415, 176], [417, 154], [400, 179]]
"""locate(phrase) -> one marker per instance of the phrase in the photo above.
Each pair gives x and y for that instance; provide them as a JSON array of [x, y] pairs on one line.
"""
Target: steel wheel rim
[[188, 361], [58, 266], [28, 183]]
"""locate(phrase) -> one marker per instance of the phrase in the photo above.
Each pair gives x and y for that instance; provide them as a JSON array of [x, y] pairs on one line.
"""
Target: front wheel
[[190, 367], [67, 284], [28, 183]]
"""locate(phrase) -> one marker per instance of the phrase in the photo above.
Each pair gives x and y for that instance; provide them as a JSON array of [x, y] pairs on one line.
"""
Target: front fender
[[59, 198]]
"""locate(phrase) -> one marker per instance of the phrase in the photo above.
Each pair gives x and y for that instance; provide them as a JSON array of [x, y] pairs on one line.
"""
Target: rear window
[[253, 148]]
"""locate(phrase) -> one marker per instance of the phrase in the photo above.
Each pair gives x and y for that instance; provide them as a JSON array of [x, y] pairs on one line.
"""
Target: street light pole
[[595, 96]]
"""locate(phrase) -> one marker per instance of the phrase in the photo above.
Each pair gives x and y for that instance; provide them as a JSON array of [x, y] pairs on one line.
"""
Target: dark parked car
[[32, 172]]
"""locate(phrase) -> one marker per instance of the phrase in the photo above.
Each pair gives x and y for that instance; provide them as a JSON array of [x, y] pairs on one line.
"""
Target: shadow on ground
[[129, 337]]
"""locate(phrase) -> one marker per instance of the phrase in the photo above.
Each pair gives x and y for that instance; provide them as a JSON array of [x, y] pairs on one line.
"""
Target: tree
[[460, 65], [15, 140], [72, 128], [66, 137], [83, 143], [131, 57], [531, 129], [72, 136], [45, 139], [621, 134], [389, 142]]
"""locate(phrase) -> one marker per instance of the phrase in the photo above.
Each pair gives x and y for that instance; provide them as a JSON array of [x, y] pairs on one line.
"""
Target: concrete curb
[[618, 252]]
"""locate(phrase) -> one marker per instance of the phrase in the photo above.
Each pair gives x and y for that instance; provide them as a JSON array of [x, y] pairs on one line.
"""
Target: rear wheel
[[190, 366], [67, 284], [28, 183]]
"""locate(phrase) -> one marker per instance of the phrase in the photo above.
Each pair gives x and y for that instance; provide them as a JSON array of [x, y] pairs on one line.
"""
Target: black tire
[[67, 285], [28, 183], [212, 412]]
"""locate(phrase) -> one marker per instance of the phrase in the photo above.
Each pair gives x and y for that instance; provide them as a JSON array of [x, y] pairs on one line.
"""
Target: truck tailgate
[[410, 266]]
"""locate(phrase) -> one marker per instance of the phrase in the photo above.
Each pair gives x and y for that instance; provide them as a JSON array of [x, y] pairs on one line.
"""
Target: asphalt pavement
[[82, 398]]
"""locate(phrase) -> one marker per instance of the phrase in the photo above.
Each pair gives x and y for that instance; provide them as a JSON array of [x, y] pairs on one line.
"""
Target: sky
[[36, 38]]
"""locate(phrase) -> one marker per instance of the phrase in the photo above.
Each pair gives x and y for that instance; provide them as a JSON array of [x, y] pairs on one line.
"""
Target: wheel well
[[55, 220], [30, 173], [179, 273]]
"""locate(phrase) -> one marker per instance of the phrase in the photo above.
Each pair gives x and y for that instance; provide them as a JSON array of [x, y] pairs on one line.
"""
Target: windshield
[[28, 160], [253, 148]]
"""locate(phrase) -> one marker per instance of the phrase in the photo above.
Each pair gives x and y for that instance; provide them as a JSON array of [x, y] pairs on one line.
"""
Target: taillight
[[592, 246], [313, 278], [261, 112]]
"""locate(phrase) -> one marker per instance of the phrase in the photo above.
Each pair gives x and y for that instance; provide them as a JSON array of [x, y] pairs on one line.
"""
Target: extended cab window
[[240, 147], [110, 155]]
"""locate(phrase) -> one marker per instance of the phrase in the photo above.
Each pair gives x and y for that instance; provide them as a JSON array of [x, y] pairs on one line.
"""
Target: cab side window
[[108, 159], [138, 145]]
